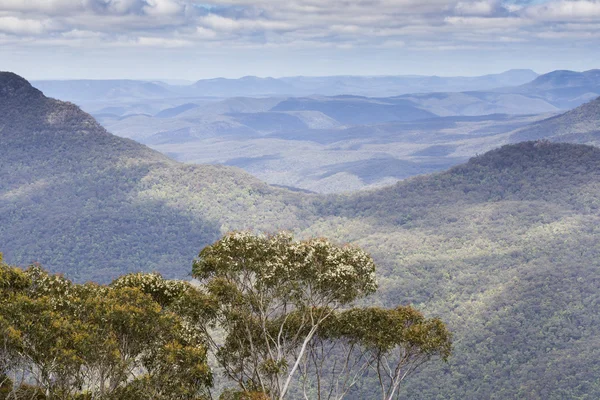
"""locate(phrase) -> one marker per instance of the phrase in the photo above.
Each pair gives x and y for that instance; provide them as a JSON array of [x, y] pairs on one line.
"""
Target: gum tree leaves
[[282, 310]]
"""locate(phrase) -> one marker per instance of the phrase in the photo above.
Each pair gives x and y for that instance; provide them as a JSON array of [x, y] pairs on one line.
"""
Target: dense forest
[[503, 248]]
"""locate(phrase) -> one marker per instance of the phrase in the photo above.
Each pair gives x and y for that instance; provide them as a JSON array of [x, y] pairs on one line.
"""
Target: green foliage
[[505, 248], [259, 282], [287, 268], [90, 341], [382, 330], [144, 337], [278, 299], [580, 125]]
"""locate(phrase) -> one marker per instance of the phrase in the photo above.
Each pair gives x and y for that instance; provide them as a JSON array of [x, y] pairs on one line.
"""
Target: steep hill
[[563, 89], [72, 194], [565, 79], [504, 248], [580, 125]]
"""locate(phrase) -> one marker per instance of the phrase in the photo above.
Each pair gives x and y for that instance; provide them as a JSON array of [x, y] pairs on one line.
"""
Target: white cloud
[[568, 35], [116, 7], [486, 23], [163, 7], [203, 33], [44, 6], [220, 23], [161, 42], [18, 26], [285, 23], [565, 10], [392, 44], [476, 7], [81, 34]]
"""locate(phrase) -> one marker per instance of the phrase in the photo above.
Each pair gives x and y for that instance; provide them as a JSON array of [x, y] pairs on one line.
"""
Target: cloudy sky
[[189, 39]]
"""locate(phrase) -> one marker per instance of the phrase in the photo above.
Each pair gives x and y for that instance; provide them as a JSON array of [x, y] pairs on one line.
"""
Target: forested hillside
[[580, 125], [504, 248], [72, 194]]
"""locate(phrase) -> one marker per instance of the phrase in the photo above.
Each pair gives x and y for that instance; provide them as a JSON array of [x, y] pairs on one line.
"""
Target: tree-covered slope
[[82, 201], [504, 248], [580, 125]]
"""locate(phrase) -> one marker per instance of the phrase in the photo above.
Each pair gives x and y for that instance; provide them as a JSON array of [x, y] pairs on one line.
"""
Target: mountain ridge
[[88, 89], [54, 152], [565, 78], [580, 125]]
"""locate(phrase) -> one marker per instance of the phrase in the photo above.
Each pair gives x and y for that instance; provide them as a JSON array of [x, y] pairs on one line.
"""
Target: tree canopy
[[64, 340], [280, 299], [266, 306]]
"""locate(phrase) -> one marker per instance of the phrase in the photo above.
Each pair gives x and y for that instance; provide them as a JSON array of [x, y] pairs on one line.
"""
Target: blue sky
[[186, 39]]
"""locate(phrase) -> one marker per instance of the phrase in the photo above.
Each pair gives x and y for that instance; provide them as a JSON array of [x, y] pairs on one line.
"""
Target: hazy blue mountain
[[565, 79], [175, 111], [558, 90], [270, 121], [350, 110], [356, 85], [563, 89], [341, 158], [396, 85], [232, 105], [84, 90], [246, 86], [512, 92], [479, 103], [95, 90], [330, 144], [344, 142]]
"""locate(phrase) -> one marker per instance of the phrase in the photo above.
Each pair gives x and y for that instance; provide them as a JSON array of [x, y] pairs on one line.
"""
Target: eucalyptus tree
[[273, 295], [284, 316], [393, 343], [12, 283], [98, 342]]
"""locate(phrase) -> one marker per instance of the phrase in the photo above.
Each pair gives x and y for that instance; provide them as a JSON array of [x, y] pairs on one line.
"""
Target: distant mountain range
[[512, 92], [563, 89], [504, 248], [325, 144], [564, 79], [92, 90], [331, 143], [356, 85], [251, 86]]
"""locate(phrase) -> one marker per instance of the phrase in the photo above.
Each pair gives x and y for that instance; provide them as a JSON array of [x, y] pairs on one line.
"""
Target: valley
[[328, 143]]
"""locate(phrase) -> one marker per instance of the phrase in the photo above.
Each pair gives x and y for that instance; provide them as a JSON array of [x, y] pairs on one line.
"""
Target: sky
[[191, 40]]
